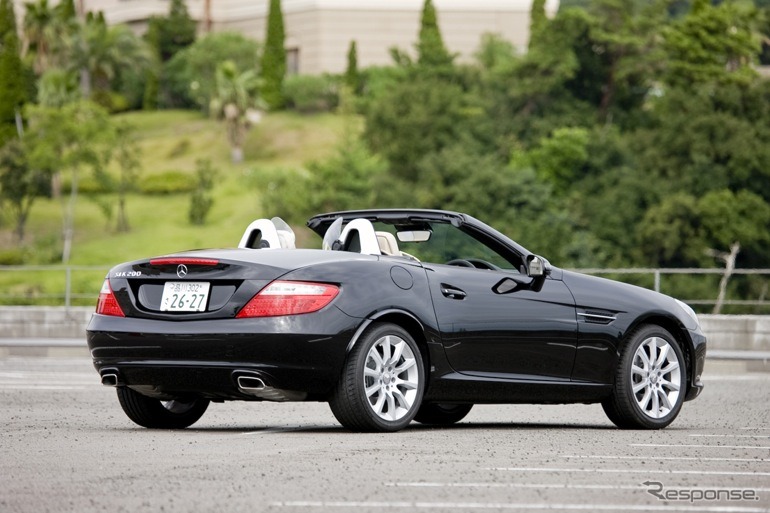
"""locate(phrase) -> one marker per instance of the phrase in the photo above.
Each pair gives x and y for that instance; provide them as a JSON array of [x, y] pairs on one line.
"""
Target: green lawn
[[168, 141]]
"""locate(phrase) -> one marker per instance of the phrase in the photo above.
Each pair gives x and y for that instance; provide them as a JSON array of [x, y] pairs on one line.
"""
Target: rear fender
[[427, 339]]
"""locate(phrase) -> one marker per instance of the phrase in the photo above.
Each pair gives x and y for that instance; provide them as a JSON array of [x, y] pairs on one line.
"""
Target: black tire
[[349, 401], [657, 385], [439, 414], [156, 414]]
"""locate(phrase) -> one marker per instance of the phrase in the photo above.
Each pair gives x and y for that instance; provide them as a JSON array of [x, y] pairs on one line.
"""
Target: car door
[[522, 334]]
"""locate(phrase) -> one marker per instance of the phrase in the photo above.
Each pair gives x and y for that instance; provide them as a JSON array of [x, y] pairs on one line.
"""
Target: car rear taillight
[[107, 304], [289, 298]]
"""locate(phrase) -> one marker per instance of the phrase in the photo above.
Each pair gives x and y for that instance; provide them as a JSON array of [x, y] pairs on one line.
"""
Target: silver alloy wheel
[[391, 378], [655, 377]]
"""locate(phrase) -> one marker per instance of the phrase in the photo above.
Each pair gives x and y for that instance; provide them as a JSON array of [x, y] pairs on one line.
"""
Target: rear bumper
[[303, 353]]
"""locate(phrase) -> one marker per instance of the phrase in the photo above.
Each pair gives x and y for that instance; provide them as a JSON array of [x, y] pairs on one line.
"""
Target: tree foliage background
[[629, 134]]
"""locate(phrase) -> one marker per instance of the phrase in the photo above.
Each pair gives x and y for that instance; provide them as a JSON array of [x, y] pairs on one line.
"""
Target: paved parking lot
[[67, 446]]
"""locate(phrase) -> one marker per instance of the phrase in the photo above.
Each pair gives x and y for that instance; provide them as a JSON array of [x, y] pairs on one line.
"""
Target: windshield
[[442, 243]]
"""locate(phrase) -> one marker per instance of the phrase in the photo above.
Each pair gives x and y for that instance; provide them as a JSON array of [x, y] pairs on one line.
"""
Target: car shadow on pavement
[[337, 429]]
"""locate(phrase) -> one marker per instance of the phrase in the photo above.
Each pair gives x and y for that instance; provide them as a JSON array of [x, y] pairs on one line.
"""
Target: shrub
[[12, 256], [87, 184], [168, 182], [200, 199], [311, 93]]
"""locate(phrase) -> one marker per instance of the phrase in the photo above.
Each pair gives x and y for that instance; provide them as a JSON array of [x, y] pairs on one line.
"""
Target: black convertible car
[[403, 315]]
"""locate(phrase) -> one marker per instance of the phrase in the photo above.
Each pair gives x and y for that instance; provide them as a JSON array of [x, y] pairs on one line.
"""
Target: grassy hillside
[[169, 141]]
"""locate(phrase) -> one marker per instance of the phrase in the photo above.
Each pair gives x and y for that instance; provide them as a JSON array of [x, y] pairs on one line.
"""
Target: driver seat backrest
[[359, 236], [387, 243], [262, 234]]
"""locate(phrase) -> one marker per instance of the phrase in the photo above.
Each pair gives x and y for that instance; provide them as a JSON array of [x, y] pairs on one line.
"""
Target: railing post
[[67, 287], [657, 280]]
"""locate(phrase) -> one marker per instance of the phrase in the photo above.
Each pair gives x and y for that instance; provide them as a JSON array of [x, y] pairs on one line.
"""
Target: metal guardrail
[[68, 294]]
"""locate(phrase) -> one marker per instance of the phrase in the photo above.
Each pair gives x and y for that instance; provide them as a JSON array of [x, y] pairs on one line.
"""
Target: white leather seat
[[387, 243]]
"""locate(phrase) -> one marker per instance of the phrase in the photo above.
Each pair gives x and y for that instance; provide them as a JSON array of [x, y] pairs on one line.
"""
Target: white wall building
[[318, 32]]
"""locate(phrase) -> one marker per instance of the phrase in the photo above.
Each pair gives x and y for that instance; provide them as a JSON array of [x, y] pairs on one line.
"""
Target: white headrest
[[366, 236], [272, 233]]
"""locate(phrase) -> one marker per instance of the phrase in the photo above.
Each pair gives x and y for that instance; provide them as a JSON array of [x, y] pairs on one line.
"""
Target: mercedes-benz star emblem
[[181, 270]]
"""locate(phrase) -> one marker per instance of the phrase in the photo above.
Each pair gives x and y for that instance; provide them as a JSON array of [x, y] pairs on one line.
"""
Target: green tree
[[431, 51], [671, 234], [46, 29], [99, 52], [236, 101], [623, 36], [560, 158], [189, 78], [352, 76], [65, 10], [57, 87], [538, 23], [415, 118], [39, 33], [729, 217], [200, 199], [13, 90], [351, 178], [495, 54], [170, 34], [712, 43], [69, 139], [707, 137], [20, 184], [124, 151], [274, 58], [151, 90], [684, 231]]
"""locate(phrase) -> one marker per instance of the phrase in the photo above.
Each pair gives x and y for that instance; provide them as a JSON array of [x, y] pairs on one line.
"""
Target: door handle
[[452, 292]]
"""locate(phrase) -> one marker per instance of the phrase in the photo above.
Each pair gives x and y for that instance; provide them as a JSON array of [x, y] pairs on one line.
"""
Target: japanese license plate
[[185, 296]]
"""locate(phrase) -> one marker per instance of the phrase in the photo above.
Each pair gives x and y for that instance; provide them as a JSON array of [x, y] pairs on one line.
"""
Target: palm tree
[[39, 32], [98, 52], [46, 29], [237, 101]]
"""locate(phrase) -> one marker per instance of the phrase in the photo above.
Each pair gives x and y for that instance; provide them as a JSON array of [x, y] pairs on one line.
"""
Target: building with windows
[[318, 32]]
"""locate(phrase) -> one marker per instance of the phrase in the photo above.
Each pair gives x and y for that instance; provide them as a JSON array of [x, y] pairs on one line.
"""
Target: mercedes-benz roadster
[[403, 315]]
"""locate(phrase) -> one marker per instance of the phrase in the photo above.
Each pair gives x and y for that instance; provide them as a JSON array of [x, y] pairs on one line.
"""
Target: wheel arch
[[679, 332], [405, 320]]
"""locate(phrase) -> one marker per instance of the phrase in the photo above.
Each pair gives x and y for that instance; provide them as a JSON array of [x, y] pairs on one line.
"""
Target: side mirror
[[535, 267]]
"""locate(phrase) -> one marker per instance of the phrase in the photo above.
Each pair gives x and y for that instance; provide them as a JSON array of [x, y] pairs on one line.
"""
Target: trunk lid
[[205, 284]]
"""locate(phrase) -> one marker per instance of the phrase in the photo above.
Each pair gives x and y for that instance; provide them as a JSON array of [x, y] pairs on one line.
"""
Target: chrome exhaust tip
[[250, 383], [110, 380]]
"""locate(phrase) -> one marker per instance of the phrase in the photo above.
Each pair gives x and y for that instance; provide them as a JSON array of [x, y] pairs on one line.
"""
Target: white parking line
[[738, 377], [694, 446], [553, 486], [466, 506], [44, 387], [663, 458], [729, 436], [36, 380], [557, 486], [631, 471]]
